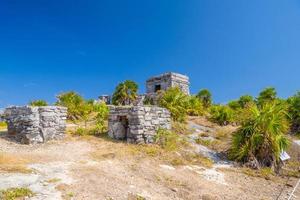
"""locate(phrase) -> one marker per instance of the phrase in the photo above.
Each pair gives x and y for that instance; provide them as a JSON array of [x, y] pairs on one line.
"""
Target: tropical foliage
[[38, 103], [125, 93], [294, 112], [206, 97], [262, 137], [84, 110], [194, 106], [266, 96], [223, 115], [74, 102], [176, 102]]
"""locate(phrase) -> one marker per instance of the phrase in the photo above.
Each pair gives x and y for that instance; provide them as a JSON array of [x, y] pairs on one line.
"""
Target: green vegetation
[[3, 125], [205, 97], [222, 115], [266, 96], [194, 106], [167, 139], [15, 193], [38, 103], [125, 93], [176, 102], [294, 112], [80, 109], [262, 137], [73, 101]]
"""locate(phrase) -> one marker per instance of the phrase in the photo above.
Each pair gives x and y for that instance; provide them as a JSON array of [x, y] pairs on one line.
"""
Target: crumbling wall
[[143, 122], [30, 125], [167, 80]]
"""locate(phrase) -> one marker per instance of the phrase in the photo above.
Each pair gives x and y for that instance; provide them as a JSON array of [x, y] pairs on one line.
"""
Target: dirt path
[[98, 168]]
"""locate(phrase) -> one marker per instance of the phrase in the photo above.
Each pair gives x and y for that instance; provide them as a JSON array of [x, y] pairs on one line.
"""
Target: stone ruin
[[137, 124], [167, 80], [155, 84], [31, 125]]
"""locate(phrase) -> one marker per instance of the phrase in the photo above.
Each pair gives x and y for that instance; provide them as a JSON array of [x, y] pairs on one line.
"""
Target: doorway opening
[[157, 88]]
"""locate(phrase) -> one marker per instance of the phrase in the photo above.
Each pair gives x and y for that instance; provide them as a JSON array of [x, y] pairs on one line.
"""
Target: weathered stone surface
[[167, 80], [31, 125], [137, 124]]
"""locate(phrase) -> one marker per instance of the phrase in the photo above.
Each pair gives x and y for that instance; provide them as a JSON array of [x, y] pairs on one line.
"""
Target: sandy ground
[[99, 168]]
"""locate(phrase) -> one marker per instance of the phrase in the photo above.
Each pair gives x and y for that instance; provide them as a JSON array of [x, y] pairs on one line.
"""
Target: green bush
[[74, 102], [206, 97], [176, 102], [245, 100], [101, 111], [294, 111], [194, 106], [223, 115], [125, 93], [262, 137], [38, 103], [167, 139], [15, 193], [266, 96]]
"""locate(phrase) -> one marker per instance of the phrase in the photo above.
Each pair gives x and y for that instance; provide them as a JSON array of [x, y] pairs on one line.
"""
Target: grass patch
[[53, 180], [3, 126], [170, 140], [266, 173], [191, 159], [292, 169], [135, 197], [222, 133], [13, 163], [180, 128], [15, 193]]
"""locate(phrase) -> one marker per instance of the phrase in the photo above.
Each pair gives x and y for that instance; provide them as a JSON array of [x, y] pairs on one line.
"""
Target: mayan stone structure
[[137, 124], [30, 125], [167, 80]]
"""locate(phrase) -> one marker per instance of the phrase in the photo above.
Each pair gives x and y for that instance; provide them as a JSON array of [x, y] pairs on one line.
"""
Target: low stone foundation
[[137, 124], [30, 125]]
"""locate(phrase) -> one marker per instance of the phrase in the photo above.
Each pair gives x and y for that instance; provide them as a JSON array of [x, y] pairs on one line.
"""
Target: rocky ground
[[100, 168]]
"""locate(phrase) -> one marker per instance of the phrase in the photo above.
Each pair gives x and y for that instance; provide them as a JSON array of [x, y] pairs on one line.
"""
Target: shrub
[[15, 193], [167, 139], [194, 106], [125, 93], [235, 105], [101, 111], [38, 103], [266, 96], [294, 111], [261, 138], [206, 97], [176, 102], [74, 102], [245, 100], [223, 115]]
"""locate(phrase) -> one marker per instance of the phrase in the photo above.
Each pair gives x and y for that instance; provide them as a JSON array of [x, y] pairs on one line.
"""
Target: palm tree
[[205, 96], [176, 102], [269, 94], [125, 93], [262, 137]]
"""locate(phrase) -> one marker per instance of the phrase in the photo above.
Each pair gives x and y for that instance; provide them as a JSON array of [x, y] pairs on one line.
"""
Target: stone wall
[[137, 124], [30, 125], [167, 80]]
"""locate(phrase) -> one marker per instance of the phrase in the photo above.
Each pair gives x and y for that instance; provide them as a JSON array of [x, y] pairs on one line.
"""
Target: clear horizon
[[232, 48]]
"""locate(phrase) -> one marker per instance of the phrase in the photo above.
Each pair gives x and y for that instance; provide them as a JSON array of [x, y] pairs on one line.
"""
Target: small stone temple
[[137, 124], [167, 80], [30, 125]]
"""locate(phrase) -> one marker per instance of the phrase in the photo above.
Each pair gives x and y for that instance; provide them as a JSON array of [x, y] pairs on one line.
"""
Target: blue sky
[[231, 47]]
